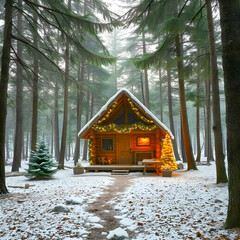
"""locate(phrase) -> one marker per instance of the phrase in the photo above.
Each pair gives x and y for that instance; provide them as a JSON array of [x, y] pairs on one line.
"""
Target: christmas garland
[[90, 152], [136, 111], [126, 129], [108, 113]]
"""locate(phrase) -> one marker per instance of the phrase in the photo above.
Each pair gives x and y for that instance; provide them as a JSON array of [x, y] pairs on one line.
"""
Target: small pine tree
[[167, 156], [40, 163]]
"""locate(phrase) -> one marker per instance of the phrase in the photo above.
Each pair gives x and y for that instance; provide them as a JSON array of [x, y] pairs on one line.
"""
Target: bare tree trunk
[[198, 158], [52, 133], [92, 105], [79, 111], [186, 136], [147, 103], [7, 144], [56, 122], [142, 88], [27, 145], [115, 54], [184, 158], [217, 128], [208, 130], [230, 25], [65, 111], [35, 88], [3, 89], [87, 118], [19, 99], [170, 112], [23, 147], [161, 95]]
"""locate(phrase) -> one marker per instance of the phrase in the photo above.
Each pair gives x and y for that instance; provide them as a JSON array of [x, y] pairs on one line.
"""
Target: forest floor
[[187, 206]]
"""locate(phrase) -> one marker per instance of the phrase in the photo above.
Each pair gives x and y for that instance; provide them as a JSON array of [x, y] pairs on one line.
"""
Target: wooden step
[[120, 172]]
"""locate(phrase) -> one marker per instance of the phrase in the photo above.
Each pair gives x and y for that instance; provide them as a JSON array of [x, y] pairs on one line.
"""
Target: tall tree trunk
[[79, 111], [56, 122], [92, 106], [19, 99], [52, 133], [186, 136], [230, 25], [65, 110], [147, 102], [217, 128], [208, 129], [115, 55], [170, 112], [3, 89], [142, 88], [7, 144], [198, 116], [87, 118], [184, 158], [161, 95], [35, 87], [27, 145], [23, 147]]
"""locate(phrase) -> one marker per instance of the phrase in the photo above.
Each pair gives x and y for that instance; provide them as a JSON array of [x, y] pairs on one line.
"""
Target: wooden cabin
[[124, 132]]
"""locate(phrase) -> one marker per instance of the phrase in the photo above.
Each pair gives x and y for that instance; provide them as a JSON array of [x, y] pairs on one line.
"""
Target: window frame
[[102, 144]]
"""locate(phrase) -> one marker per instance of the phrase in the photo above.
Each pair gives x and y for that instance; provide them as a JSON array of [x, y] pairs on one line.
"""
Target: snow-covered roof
[[135, 100]]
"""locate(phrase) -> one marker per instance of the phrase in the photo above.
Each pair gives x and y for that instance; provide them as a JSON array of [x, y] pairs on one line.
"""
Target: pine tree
[[40, 164], [167, 156]]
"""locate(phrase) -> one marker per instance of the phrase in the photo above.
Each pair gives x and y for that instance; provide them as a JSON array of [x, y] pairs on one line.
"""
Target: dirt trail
[[99, 207]]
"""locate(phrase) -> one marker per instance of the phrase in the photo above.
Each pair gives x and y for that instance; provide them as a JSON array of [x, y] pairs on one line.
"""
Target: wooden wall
[[143, 148], [109, 153], [135, 149]]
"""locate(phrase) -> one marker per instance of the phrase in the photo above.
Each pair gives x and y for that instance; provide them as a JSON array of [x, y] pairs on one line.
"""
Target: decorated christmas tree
[[40, 163], [167, 157]]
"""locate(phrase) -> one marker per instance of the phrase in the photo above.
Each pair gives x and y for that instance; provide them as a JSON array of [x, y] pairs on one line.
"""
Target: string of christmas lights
[[108, 113], [167, 157], [135, 109], [90, 152], [126, 129]]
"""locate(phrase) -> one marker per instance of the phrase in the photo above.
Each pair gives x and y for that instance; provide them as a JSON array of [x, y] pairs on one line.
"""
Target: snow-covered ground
[[187, 206], [26, 213]]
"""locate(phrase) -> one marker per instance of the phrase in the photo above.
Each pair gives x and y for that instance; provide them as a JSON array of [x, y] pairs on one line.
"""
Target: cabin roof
[[135, 101]]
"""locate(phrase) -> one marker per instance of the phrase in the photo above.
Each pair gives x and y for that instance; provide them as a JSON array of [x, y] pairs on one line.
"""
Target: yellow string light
[[116, 128], [167, 157], [108, 113], [138, 113]]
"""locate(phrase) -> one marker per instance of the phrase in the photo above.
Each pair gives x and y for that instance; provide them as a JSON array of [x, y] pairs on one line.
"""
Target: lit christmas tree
[[167, 157], [40, 163]]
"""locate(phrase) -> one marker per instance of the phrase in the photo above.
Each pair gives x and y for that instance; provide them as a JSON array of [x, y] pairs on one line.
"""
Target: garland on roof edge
[[108, 113], [135, 109], [126, 129]]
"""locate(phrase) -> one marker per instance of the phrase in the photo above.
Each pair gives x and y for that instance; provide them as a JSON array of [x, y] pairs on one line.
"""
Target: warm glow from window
[[143, 141]]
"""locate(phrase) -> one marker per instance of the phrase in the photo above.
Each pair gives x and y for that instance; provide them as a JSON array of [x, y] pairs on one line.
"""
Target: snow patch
[[126, 222], [94, 219], [118, 232]]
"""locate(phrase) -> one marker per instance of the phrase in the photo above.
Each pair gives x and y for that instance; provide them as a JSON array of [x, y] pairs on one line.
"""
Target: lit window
[[107, 144], [143, 141]]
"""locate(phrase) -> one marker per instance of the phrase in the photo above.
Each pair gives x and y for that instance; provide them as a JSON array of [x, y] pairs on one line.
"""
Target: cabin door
[[124, 154]]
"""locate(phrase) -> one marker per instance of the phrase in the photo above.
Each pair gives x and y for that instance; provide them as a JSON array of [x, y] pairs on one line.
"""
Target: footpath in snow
[[187, 206]]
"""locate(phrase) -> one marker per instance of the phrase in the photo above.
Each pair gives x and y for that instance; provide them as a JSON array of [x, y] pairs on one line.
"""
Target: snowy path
[[187, 206], [104, 209]]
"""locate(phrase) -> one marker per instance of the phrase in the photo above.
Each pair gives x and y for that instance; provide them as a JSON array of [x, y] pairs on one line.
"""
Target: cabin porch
[[130, 167]]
